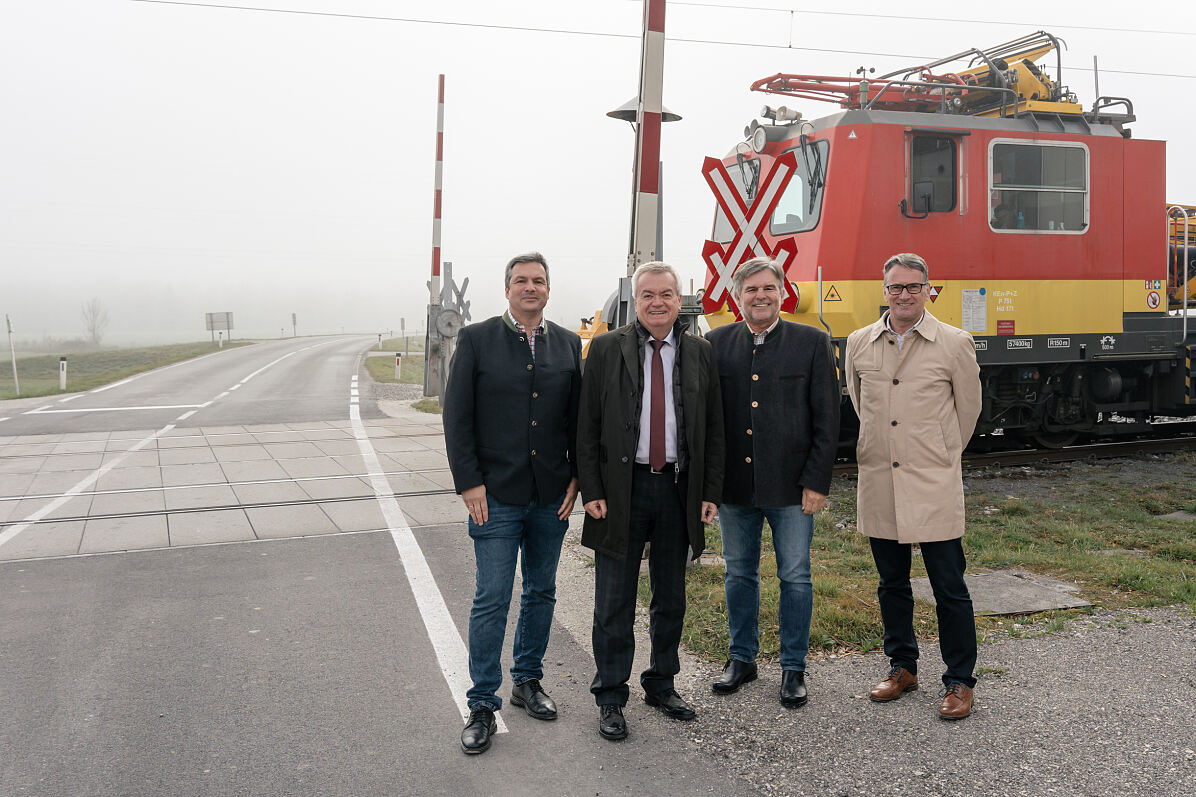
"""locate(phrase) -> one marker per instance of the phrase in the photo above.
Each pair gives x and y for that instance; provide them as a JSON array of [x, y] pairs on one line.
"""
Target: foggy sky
[[173, 160]]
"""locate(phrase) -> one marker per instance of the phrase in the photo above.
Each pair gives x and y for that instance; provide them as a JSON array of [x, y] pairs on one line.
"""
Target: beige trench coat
[[917, 408]]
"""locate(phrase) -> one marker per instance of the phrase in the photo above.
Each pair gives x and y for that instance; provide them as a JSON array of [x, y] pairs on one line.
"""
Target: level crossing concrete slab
[[208, 489]]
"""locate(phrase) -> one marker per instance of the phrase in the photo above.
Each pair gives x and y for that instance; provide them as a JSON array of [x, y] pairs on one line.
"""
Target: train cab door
[[934, 173]]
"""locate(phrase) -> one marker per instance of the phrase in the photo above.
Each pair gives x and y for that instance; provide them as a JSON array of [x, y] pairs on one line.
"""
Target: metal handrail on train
[[1184, 284]]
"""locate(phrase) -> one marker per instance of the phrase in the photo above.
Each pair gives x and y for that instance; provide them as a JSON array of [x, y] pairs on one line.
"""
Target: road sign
[[750, 223], [218, 321]]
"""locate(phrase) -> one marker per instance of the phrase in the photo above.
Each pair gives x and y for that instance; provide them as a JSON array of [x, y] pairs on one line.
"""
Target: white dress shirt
[[668, 356]]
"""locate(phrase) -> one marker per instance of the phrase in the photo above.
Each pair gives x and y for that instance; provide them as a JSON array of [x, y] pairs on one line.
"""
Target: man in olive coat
[[915, 385], [781, 408], [650, 463]]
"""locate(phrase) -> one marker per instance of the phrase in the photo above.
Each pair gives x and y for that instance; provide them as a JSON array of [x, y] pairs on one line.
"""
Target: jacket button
[[755, 377], [749, 431], [535, 395], [892, 342], [534, 423], [529, 367], [748, 460], [895, 464], [893, 423], [895, 381], [523, 339], [627, 426], [533, 452], [755, 404], [624, 460]]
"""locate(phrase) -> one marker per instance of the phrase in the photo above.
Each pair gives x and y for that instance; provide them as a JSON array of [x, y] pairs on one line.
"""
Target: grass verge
[[431, 405], [38, 374], [382, 369], [1112, 541]]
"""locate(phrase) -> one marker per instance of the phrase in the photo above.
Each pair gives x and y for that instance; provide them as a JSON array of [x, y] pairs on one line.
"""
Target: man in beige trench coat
[[915, 385]]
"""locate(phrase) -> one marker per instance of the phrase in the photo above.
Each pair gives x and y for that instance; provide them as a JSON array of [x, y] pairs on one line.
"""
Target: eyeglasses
[[914, 288]]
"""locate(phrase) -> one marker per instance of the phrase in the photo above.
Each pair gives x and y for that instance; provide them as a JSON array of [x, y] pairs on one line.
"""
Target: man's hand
[[709, 512], [570, 499], [475, 502], [596, 509], [812, 502]]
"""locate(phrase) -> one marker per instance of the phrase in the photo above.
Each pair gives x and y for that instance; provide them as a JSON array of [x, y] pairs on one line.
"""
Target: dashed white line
[[442, 632], [70, 398], [186, 415]]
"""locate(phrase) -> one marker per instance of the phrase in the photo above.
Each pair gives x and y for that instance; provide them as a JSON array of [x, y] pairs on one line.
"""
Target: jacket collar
[[927, 328], [631, 342]]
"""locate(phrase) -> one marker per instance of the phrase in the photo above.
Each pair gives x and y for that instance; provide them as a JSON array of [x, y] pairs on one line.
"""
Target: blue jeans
[[533, 533], [792, 530]]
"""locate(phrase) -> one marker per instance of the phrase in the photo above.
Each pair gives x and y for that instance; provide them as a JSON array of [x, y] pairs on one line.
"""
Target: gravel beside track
[[1106, 707]]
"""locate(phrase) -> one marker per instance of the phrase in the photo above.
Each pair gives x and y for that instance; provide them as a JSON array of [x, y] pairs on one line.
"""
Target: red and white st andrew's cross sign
[[750, 224]]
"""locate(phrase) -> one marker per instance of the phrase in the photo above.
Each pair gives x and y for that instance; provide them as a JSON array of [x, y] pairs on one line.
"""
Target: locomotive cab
[[1044, 226]]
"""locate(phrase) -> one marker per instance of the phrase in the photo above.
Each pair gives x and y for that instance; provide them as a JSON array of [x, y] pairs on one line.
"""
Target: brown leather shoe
[[957, 702], [898, 682]]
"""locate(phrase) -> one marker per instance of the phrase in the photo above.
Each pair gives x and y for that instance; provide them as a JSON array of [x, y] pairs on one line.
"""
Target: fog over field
[[170, 159]]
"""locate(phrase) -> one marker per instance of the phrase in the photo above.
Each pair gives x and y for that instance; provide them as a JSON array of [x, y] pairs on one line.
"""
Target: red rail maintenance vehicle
[[1045, 226]]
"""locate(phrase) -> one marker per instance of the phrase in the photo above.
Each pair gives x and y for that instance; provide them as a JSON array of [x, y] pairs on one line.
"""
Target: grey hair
[[909, 260], [753, 267], [655, 267], [529, 257]]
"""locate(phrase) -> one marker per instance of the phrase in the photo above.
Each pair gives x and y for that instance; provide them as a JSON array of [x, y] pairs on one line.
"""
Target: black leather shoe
[[736, 673], [532, 698], [476, 736], [671, 704], [611, 723], [793, 689]]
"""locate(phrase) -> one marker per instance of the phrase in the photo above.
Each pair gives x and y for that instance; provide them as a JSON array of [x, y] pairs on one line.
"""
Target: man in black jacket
[[781, 405], [510, 421], [650, 458]]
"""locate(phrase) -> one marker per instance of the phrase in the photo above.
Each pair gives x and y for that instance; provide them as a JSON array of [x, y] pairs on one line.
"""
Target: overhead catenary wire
[[636, 36]]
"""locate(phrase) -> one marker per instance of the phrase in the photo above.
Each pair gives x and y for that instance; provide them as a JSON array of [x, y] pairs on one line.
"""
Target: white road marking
[[90, 479], [442, 632], [3, 419], [83, 484], [44, 411], [69, 398], [186, 415]]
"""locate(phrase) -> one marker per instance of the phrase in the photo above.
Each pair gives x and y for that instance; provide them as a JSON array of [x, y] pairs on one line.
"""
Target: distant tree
[[95, 320]]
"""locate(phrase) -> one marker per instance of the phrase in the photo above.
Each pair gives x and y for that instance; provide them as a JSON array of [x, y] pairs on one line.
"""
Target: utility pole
[[16, 382]]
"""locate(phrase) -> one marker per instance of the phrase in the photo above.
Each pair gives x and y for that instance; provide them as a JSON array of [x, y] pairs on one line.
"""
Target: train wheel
[[1060, 439]]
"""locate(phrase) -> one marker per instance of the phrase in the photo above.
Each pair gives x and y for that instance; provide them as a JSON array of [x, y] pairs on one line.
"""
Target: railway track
[[1067, 454]]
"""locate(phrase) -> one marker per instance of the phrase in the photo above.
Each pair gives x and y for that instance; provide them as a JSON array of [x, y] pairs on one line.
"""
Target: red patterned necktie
[[656, 440]]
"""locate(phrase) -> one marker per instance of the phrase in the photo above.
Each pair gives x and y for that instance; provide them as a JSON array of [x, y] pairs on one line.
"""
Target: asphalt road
[[279, 381], [224, 609]]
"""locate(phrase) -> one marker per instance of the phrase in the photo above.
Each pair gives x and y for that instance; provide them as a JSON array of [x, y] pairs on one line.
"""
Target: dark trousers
[[657, 516], [945, 564]]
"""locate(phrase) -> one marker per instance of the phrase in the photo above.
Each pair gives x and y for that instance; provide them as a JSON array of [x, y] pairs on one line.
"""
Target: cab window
[[1038, 187], [800, 206], [932, 174]]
